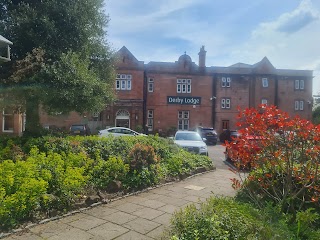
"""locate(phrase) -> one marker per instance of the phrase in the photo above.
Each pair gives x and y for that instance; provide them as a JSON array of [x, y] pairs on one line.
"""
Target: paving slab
[[152, 203], [108, 231], [87, 222], [142, 225], [132, 235], [120, 217], [148, 213]]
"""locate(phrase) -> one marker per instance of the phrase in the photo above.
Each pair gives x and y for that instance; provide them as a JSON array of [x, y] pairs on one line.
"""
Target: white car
[[191, 141], [119, 131]]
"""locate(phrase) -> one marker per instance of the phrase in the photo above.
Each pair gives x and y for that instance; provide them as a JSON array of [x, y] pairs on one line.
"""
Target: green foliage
[[53, 173], [316, 115], [143, 177], [21, 190], [104, 172], [68, 68], [142, 156], [224, 218], [65, 173]]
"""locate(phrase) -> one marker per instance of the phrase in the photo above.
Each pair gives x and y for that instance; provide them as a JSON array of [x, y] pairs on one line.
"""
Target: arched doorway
[[123, 119]]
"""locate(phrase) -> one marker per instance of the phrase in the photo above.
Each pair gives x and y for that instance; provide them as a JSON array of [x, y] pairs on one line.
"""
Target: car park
[[191, 141], [119, 131], [80, 129], [209, 134]]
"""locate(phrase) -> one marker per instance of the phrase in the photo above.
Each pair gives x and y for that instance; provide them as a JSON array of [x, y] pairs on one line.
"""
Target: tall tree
[[60, 58]]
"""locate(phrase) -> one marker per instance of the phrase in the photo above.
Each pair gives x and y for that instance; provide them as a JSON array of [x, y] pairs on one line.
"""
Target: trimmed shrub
[[224, 218], [104, 172]]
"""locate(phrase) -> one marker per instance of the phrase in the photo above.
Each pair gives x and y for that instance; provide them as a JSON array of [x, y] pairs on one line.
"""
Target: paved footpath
[[141, 216]]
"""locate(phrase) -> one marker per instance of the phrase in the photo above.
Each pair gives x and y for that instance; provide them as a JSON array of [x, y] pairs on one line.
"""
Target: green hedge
[[49, 174], [224, 218]]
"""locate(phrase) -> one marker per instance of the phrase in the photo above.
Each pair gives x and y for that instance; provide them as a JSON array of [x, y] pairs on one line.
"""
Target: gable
[[264, 67], [124, 58]]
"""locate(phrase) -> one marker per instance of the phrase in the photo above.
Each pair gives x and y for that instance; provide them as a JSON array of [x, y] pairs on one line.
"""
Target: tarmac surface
[[142, 216]]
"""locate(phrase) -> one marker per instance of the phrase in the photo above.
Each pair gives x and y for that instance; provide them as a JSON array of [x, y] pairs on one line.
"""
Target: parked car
[[191, 141], [209, 134], [80, 129], [228, 135], [119, 131]]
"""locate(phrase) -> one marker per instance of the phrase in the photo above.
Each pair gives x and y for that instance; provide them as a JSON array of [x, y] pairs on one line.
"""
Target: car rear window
[[206, 130], [77, 127]]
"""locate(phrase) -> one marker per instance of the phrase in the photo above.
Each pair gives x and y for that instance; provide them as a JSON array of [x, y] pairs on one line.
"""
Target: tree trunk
[[33, 127]]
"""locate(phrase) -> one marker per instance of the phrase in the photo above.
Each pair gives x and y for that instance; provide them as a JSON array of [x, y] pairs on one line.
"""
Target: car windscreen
[[188, 136]]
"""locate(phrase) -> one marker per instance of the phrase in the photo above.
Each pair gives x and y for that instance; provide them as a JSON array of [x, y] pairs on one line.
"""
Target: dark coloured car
[[80, 129], [209, 134], [229, 135]]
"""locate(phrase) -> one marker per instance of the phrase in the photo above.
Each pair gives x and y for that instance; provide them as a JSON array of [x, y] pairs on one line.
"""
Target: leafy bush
[[104, 172], [50, 174], [66, 175], [21, 190], [224, 218], [285, 169]]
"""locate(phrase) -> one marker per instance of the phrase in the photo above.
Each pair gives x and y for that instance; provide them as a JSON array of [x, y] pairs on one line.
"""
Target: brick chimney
[[202, 57]]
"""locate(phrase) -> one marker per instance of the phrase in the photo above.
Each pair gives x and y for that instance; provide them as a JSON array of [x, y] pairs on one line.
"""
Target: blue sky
[[232, 31]]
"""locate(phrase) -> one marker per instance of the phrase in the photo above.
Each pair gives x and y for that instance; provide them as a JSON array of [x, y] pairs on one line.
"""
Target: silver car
[[118, 131], [191, 141]]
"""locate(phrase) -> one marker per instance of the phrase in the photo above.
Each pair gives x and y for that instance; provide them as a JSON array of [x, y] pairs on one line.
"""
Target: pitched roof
[[4, 41], [241, 65], [125, 51]]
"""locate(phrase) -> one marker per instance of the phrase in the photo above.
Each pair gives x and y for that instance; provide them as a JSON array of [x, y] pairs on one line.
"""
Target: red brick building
[[167, 96], [183, 94]]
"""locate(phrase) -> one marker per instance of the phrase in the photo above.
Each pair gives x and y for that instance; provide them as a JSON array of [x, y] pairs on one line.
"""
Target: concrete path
[[142, 216]]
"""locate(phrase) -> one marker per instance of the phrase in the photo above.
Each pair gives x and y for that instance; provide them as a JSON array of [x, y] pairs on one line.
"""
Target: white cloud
[[291, 22], [287, 43], [161, 30]]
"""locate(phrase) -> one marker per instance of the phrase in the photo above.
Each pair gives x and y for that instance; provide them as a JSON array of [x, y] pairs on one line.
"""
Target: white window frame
[[299, 84], [118, 85], [301, 105], [183, 120], [228, 84], [225, 103], [150, 85], [265, 82], [184, 85], [264, 101], [296, 84], [4, 116], [124, 82], [95, 114], [298, 105], [225, 82], [129, 84], [150, 119]]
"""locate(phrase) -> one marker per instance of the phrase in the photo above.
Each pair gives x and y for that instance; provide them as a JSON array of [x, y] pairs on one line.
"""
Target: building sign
[[184, 100]]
